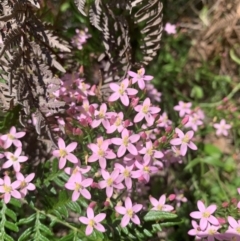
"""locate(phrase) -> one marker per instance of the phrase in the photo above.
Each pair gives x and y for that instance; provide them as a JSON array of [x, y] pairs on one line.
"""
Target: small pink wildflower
[[234, 226], [170, 28], [205, 215], [12, 138], [25, 184], [14, 159], [101, 152], [140, 78], [183, 108], [78, 185], [110, 182], [160, 204], [129, 212], [146, 111], [93, 221], [196, 229], [126, 143], [121, 91], [222, 128], [65, 153], [184, 140], [210, 233], [9, 189]]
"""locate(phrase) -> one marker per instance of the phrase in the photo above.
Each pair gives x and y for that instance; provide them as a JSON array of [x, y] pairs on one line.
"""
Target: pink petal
[[61, 143], [87, 182], [113, 97], [121, 210], [125, 100], [213, 220], [16, 166], [84, 220], [232, 222], [16, 194], [121, 151], [131, 91], [153, 201], [162, 200], [7, 164], [125, 220], [196, 215], [201, 206], [102, 184], [128, 203], [135, 219], [99, 227], [176, 141], [85, 193], [114, 87], [211, 209], [139, 116], [99, 218], [183, 149], [19, 134], [137, 207], [72, 158], [90, 213], [117, 141], [109, 191], [192, 146], [89, 230], [62, 162], [75, 196], [7, 197], [203, 223], [31, 187], [72, 146]]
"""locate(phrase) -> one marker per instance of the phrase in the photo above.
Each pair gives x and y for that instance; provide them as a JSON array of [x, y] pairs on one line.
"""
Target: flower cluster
[[128, 142]]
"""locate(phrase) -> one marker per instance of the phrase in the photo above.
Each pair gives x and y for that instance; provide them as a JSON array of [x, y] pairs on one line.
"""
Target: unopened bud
[[225, 99], [221, 220], [162, 139], [156, 143], [77, 132], [185, 120], [225, 204], [126, 123], [143, 135], [134, 101], [234, 201], [106, 203], [92, 205], [168, 129], [94, 185], [172, 197], [91, 110]]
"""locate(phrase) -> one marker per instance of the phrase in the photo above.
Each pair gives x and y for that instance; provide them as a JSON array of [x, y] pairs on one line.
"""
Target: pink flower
[[210, 233], [170, 28], [160, 204], [129, 212], [233, 229], [65, 153], [196, 229], [183, 108], [117, 123], [194, 121], [145, 169], [163, 120], [121, 91], [222, 128], [12, 138], [184, 140], [150, 153], [101, 116], [9, 189], [140, 78], [78, 185], [110, 182], [101, 152], [14, 159], [25, 184], [205, 215], [93, 221], [126, 143], [146, 111], [125, 174]]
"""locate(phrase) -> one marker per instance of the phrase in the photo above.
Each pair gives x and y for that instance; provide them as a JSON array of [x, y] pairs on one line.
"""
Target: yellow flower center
[[75, 170], [238, 229], [23, 184], [140, 72], [150, 151], [10, 136], [101, 114], [62, 153], [86, 107], [99, 142], [101, 152], [77, 186], [118, 121], [186, 139], [13, 158], [121, 89], [83, 86], [146, 169], [125, 141], [7, 189], [145, 109], [206, 214], [212, 231], [91, 222], [159, 207], [126, 173], [130, 212], [110, 181]]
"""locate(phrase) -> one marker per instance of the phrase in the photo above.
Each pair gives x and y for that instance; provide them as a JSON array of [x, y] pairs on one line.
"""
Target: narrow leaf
[[155, 215]]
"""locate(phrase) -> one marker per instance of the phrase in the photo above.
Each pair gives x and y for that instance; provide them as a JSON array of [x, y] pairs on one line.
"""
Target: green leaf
[[171, 224], [15, 202], [214, 161], [234, 56], [25, 235], [27, 220], [212, 150], [125, 230], [11, 226], [11, 214], [41, 238], [139, 234], [156, 227], [7, 237], [74, 206], [45, 229], [154, 215], [69, 237], [192, 163], [147, 233]]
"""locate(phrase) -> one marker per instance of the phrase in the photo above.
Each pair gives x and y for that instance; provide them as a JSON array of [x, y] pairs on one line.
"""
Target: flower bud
[[91, 110], [134, 101], [92, 205], [225, 204], [221, 220], [77, 132], [95, 185], [143, 135], [185, 120], [126, 123], [156, 143], [168, 129], [172, 197], [106, 203], [162, 139]]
